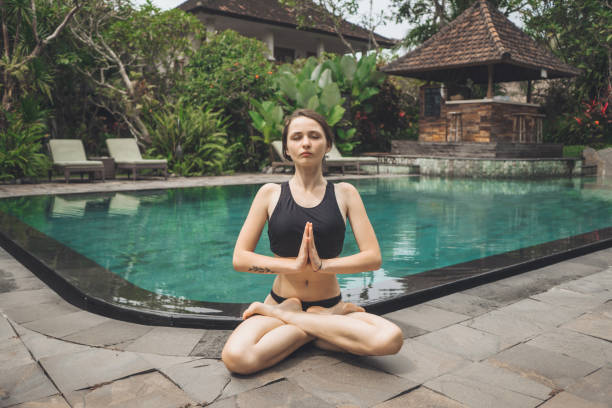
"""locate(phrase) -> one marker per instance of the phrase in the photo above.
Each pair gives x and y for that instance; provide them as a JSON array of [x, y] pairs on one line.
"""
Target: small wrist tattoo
[[259, 269], [320, 266]]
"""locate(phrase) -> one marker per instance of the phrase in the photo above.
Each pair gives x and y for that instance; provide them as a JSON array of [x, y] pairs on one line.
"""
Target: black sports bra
[[286, 225]]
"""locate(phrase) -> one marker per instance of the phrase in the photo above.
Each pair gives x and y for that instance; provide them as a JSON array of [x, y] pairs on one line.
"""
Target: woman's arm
[[368, 258], [245, 259]]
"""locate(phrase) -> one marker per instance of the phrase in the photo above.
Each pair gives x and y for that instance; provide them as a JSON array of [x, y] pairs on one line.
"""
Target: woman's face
[[306, 141]]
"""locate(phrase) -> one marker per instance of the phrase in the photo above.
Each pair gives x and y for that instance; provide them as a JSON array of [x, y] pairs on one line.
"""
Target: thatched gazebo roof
[[482, 45]]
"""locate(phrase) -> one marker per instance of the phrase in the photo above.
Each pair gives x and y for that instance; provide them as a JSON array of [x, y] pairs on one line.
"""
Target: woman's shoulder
[[268, 190], [346, 189]]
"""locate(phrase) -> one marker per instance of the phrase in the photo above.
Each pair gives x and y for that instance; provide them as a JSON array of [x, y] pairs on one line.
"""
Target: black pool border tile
[[60, 268]]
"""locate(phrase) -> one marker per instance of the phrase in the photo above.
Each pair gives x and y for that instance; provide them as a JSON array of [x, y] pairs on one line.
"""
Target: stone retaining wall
[[464, 167]]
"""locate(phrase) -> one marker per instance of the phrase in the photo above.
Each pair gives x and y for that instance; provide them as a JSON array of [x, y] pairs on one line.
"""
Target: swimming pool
[[170, 250]]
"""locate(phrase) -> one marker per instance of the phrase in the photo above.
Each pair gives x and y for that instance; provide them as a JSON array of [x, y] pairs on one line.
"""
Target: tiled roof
[[480, 36], [272, 12]]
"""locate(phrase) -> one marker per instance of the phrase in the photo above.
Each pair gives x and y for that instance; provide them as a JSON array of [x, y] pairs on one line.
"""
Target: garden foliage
[[21, 150], [335, 87], [225, 73], [192, 138]]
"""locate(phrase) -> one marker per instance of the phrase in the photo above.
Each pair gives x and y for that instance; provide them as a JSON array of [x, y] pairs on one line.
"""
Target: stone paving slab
[[17, 284], [408, 330], [279, 394], [567, 400], [10, 268], [465, 304], [159, 362], [24, 383], [13, 354], [426, 317], [595, 387], [416, 361], [64, 325], [540, 312], [203, 380], [571, 299], [486, 373], [350, 384], [27, 297], [171, 341], [43, 346], [211, 344], [531, 283], [304, 360], [151, 390], [554, 370], [421, 398], [507, 326], [593, 324], [604, 279], [108, 333], [26, 314], [6, 330], [476, 394], [601, 259], [463, 341], [54, 401], [587, 286], [76, 371], [577, 345]]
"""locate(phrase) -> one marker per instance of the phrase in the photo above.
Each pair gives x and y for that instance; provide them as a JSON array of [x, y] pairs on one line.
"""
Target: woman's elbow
[[376, 261], [237, 263]]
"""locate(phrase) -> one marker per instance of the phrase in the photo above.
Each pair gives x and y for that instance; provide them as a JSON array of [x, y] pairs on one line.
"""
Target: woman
[[306, 225]]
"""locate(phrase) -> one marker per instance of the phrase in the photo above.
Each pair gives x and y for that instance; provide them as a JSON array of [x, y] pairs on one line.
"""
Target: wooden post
[[490, 87], [528, 91]]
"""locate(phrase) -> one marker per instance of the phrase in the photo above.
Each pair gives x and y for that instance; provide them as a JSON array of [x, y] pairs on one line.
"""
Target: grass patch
[[573, 150]]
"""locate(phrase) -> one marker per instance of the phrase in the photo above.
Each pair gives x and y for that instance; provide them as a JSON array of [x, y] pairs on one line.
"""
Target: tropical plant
[[21, 154], [267, 119], [192, 139], [28, 27], [312, 87], [580, 33]]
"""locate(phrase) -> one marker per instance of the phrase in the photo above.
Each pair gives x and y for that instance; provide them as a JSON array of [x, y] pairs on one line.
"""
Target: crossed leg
[[271, 332]]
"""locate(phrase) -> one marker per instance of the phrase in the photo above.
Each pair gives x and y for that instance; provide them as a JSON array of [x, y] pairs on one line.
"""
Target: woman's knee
[[239, 360], [387, 341]]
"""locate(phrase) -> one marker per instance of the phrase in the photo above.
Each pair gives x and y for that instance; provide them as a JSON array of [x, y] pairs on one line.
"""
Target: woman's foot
[[289, 305], [342, 308]]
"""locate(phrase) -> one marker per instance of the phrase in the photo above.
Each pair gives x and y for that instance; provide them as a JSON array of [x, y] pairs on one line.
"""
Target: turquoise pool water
[[180, 242]]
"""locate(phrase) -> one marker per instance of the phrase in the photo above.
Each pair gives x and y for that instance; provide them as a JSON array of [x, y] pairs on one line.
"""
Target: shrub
[[225, 73], [20, 148], [192, 139]]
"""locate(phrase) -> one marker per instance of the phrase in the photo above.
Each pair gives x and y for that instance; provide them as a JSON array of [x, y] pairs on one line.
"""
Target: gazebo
[[484, 47]]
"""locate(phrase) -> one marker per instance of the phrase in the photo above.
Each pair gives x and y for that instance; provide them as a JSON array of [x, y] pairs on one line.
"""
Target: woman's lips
[[306, 154]]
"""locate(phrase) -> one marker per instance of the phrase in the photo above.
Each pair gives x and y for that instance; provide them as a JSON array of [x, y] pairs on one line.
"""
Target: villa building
[[277, 26]]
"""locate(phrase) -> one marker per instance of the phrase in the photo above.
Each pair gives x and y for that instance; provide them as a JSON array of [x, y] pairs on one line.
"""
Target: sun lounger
[[69, 155], [127, 156], [335, 159], [276, 156]]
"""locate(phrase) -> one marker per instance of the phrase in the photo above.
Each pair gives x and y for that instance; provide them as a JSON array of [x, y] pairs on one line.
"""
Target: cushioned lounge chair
[[335, 159], [127, 156], [276, 156], [69, 155]]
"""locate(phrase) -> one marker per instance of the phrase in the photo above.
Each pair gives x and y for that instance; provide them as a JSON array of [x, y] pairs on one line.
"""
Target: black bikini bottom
[[305, 305]]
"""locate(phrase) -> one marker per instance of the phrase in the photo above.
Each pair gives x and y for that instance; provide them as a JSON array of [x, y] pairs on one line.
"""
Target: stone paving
[[539, 339]]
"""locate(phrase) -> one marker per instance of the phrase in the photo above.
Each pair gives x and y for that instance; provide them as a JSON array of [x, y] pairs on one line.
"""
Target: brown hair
[[320, 119]]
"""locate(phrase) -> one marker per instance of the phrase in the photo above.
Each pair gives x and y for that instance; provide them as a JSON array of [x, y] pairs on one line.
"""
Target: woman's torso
[[330, 210]]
